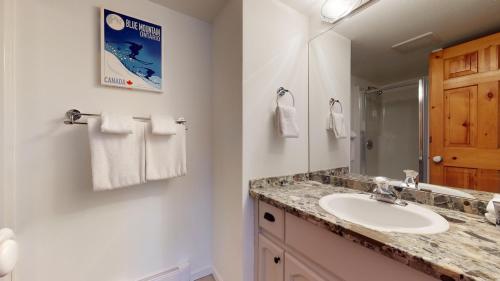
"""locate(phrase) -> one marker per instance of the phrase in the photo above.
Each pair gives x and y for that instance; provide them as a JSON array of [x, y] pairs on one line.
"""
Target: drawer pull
[[277, 260], [269, 217]]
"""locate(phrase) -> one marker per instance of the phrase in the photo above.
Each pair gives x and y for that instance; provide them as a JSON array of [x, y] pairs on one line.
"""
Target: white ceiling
[[375, 29], [205, 10], [304, 6], [387, 22], [384, 23]]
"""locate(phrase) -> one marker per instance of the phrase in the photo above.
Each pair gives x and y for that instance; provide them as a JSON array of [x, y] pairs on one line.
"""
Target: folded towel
[[116, 124], [163, 125], [336, 124], [118, 160], [286, 118], [489, 208], [165, 155]]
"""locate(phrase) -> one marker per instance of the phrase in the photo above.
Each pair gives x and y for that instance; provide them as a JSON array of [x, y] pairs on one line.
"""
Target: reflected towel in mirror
[[336, 124]]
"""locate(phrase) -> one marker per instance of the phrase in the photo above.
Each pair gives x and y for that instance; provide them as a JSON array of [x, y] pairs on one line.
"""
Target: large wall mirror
[[417, 86]]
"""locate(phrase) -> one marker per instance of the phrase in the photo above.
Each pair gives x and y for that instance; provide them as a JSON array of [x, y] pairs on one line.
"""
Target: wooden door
[[270, 260], [297, 271], [464, 115]]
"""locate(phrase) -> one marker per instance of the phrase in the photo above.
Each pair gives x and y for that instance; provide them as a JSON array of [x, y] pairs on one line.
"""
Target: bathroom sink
[[361, 209], [435, 189]]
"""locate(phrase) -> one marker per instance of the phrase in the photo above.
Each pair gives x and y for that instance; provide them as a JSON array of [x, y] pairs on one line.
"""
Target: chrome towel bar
[[332, 104], [73, 115], [281, 92]]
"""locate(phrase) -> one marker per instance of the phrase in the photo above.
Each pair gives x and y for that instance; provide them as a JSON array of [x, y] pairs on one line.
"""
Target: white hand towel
[[489, 208], [336, 123], [165, 155], [116, 124], [163, 125], [286, 117], [329, 122], [339, 126], [118, 160]]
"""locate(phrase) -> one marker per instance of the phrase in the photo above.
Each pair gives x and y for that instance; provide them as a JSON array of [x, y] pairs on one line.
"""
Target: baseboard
[[216, 274], [195, 275]]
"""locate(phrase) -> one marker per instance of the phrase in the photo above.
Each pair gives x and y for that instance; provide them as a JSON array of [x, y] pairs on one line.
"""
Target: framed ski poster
[[131, 52]]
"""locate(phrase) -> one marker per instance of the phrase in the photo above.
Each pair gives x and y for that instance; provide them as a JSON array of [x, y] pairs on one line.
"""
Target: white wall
[[274, 58], [227, 135], [2, 74], [67, 231], [274, 55], [329, 76], [7, 113]]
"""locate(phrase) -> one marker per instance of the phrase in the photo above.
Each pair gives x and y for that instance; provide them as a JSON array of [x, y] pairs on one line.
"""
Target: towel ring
[[281, 92], [332, 104]]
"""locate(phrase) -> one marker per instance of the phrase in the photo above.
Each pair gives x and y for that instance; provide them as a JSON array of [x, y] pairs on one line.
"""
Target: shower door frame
[[423, 124]]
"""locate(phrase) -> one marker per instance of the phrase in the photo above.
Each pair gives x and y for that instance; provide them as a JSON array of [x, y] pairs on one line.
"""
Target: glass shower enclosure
[[393, 129]]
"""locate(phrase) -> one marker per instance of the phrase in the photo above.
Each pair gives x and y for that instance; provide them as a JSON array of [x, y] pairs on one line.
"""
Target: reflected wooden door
[[464, 115]]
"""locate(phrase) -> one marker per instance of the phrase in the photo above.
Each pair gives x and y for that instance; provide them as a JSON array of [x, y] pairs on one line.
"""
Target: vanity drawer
[[272, 220]]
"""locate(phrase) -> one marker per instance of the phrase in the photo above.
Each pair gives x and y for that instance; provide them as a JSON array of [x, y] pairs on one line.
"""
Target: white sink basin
[[361, 209], [435, 188]]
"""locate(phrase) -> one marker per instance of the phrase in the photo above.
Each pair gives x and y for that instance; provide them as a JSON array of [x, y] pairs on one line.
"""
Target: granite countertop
[[469, 250]]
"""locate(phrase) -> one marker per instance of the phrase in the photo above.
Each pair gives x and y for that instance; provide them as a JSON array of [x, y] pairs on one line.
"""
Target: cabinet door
[[297, 271], [270, 260]]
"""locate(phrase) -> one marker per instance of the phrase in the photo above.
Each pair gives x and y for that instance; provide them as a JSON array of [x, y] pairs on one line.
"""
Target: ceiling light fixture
[[333, 10]]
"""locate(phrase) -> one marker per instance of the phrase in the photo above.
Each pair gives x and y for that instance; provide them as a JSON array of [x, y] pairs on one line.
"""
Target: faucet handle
[[411, 177], [385, 192], [380, 180], [411, 173], [382, 184]]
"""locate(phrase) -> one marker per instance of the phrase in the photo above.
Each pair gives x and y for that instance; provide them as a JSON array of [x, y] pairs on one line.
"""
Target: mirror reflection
[[417, 90]]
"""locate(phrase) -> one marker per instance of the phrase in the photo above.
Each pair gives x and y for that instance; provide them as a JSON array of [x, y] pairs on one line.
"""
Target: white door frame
[[7, 116]]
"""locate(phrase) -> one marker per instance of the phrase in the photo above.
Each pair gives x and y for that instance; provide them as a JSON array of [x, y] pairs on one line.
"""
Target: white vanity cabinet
[[293, 249], [271, 260], [297, 271]]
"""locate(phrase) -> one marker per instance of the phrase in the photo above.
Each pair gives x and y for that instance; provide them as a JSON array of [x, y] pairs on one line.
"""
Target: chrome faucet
[[411, 178], [386, 193]]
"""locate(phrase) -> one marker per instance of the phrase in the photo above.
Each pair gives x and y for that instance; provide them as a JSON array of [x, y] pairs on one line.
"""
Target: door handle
[[8, 251], [369, 144], [437, 159]]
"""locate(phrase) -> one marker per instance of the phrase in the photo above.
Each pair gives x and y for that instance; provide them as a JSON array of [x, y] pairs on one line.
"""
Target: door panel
[[460, 116], [465, 115], [461, 65], [460, 177], [488, 58], [488, 180]]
